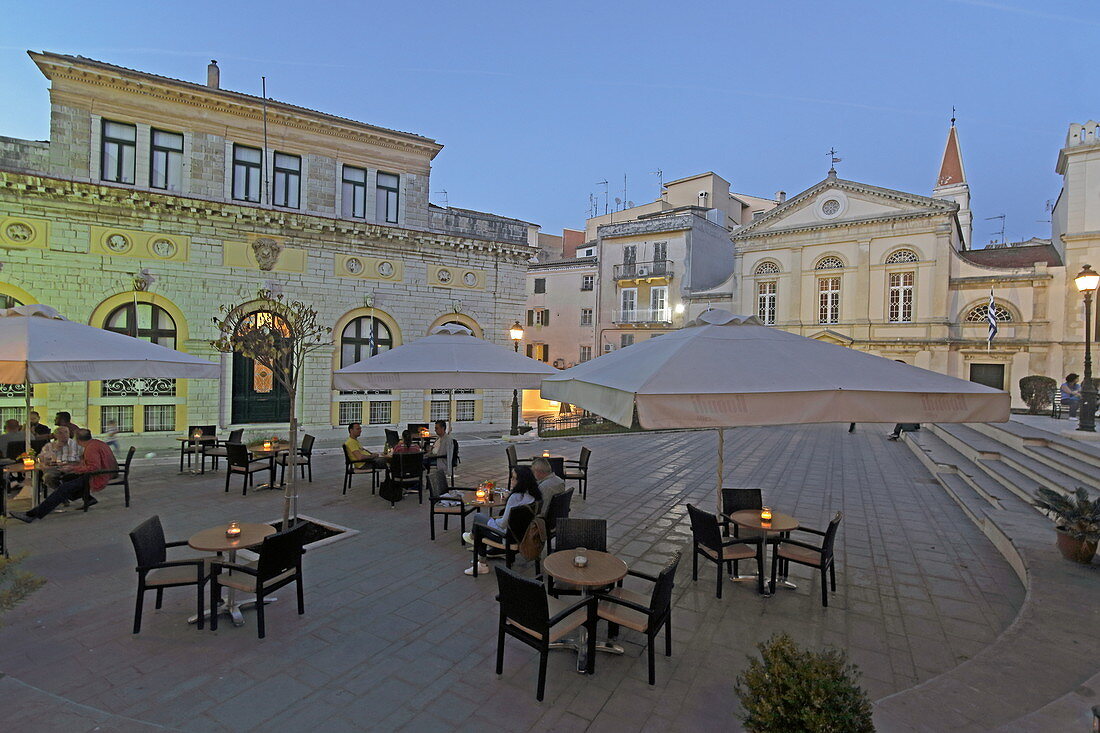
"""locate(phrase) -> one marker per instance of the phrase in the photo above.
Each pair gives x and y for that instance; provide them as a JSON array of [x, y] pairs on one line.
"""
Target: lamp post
[[1086, 282], [516, 334]]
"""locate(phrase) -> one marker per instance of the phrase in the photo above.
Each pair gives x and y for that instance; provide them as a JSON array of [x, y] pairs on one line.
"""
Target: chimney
[[213, 75], [780, 196]]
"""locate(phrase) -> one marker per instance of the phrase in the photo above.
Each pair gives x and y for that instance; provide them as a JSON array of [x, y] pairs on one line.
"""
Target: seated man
[[1071, 394], [57, 455], [550, 483], [13, 433], [442, 448], [360, 456], [97, 457]]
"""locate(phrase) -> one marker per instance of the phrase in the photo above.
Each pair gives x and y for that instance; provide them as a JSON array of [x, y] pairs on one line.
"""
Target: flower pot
[[1076, 550]]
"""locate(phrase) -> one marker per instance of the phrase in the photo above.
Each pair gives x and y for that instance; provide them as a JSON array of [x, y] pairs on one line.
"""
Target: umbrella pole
[[721, 465], [27, 437]]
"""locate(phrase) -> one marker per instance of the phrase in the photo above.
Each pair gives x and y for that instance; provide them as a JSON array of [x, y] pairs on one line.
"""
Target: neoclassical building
[[156, 200]]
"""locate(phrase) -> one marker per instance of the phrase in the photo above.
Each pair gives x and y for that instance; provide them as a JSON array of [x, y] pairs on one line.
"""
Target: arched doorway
[[258, 397]]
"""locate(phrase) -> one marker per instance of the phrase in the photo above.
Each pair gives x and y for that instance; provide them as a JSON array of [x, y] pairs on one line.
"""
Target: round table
[[493, 501], [279, 446], [603, 569], [202, 442], [29, 490], [750, 519], [214, 540]]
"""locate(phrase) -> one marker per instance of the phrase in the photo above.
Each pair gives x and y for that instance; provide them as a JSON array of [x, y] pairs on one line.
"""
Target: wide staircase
[[1043, 672]]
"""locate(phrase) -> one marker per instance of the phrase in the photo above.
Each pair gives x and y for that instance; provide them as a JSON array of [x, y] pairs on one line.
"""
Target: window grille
[[828, 300], [901, 297], [829, 263], [159, 418], [902, 256], [120, 415], [464, 410], [765, 301], [351, 412], [767, 268], [381, 413], [978, 314]]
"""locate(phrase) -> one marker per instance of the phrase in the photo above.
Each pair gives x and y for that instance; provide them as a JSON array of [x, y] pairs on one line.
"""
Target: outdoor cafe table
[[495, 500], [26, 491], [214, 540], [203, 442], [603, 569], [780, 522], [279, 446]]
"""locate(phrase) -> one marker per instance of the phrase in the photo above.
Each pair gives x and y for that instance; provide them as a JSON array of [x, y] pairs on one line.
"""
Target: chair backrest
[[437, 483], [392, 437], [735, 500], [704, 529], [236, 454], [347, 456], [281, 551], [203, 429], [15, 449], [513, 459], [148, 541], [662, 589], [454, 453], [407, 465], [590, 534], [307, 445], [558, 508], [523, 601], [235, 436], [830, 537], [129, 460], [519, 519], [585, 455], [39, 443]]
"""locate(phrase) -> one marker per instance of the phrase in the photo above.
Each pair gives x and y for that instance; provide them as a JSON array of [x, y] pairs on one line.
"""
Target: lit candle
[[267, 445], [233, 530], [481, 493], [28, 463], [580, 560], [197, 435], [766, 515], [546, 454]]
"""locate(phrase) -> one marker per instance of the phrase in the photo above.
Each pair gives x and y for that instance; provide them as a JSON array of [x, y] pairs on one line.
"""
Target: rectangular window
[[540, 285], [119, 152], [381, 413], [628, 301], [658, 304], [288, 180], [121, 415], [630, 254], [386, 197], [354, 193], [828, 289], [660, 253], [765, 301], [587, 281], [441, 410], [586, 353], [160, 418], [586, 316], [166, 161], [901, 297], [626, 339], [545, 317], [350, 412], [464, 410], [247, 171]]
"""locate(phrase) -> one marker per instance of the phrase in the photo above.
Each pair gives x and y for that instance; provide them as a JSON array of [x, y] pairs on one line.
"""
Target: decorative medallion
[[444, 276], [354, 265], [19, 232], [119, 243], [263, 379], [385, 269], [470, 278], [830, 207], [164, 248], [267, 252]]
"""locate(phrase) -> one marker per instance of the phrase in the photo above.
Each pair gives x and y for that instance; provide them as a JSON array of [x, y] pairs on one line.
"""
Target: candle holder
[[482, 492], [233, 531], [546, 454], [28, 463], [766, 514], [267, 445], [580, 560]]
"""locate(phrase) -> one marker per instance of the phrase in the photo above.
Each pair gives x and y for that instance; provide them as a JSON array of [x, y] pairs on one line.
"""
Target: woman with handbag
[[525, 491]]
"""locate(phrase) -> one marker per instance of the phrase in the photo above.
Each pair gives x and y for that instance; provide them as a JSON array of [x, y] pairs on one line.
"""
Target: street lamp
[[1086, 282], [516, 334]]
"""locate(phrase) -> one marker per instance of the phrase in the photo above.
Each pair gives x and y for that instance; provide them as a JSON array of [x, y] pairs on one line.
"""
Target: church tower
[[951, 184]]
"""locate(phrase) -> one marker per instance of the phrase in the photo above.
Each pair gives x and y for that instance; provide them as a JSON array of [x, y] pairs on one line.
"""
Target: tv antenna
[[1001, 233], [1048, 207], [660, 181], [624, 190], [446, 201], [604, 184]]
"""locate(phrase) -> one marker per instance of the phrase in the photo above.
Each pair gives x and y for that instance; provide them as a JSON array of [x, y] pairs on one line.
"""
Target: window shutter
[[530, 317], [546, 352], [546, 318], [530, 349]]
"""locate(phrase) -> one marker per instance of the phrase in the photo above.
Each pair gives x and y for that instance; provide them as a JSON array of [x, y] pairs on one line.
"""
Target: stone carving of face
[[267, 252]]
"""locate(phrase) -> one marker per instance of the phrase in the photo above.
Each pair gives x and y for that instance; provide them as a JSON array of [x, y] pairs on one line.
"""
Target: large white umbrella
[[38, 345], [450, 358], [723, 370]]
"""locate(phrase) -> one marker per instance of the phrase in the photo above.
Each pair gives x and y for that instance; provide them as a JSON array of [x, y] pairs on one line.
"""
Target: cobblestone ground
[[396, 636]]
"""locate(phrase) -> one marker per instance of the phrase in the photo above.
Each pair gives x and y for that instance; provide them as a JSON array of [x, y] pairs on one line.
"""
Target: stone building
[[156, 200]]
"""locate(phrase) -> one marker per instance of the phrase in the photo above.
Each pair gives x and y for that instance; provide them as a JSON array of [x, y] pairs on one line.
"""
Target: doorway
[[258, 397], [991, 375]]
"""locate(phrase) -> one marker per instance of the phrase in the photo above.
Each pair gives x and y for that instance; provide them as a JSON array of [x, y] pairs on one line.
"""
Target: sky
[[538, 102]]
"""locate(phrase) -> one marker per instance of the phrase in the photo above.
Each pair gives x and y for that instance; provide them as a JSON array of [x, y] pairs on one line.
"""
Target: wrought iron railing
[[139, 387], [652, 268], [642, 315]]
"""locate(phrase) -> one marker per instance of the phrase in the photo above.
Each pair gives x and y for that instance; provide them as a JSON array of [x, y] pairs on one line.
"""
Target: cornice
[[964, 283], [842, 224]]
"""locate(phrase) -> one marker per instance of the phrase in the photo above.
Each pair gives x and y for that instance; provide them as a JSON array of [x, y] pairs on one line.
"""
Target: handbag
[[391, 491], [534, 539]]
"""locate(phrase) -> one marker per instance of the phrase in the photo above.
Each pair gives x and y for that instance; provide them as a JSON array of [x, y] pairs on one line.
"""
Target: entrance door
[[991, 375], [257, 396]]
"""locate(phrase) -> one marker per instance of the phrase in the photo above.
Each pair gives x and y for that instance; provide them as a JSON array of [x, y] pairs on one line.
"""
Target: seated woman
[[1071, 394], [525, 491], [407, 443]]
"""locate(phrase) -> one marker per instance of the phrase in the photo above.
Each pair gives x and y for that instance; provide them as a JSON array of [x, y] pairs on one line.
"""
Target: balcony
[[637, 270], [643, 316]]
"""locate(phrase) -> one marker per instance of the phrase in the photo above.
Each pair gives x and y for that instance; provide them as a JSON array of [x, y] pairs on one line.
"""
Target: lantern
[[233, 531]]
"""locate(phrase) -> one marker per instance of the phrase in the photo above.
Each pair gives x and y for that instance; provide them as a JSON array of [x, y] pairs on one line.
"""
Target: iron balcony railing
[[653, 268], [643, 315]]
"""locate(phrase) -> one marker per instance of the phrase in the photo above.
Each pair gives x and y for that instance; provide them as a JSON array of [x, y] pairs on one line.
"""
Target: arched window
[[979, 313], [829, 263], [144, 321], [362, 337], [6, 301], [902, 256], [767, 268], [152, 323]]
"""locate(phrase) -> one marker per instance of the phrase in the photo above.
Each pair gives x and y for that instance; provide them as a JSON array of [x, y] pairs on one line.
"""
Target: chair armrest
[[100, 472], [643, 576], [623, 602], [818, 532], [583, 603], [217, 566], [807, 545], [170, 564], [743, 541], [180, 543]]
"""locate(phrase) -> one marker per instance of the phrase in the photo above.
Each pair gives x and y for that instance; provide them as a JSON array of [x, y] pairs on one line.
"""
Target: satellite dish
[[630, 204]]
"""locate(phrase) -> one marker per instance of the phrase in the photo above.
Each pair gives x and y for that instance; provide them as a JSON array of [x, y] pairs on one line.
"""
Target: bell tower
[[951, 183]]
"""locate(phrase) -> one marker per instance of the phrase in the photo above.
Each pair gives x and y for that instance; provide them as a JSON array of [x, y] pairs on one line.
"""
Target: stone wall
[[25, 156], [468, 223]]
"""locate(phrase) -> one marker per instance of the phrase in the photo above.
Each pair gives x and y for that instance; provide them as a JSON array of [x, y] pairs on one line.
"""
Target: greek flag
[[991, 316], [370, 336]]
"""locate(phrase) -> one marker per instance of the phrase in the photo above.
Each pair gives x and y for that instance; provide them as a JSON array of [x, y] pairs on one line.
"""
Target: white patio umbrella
[[723, 370], [38, 345]]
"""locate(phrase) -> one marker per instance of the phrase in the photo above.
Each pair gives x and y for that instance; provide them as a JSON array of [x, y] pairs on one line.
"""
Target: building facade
[[156, 201]]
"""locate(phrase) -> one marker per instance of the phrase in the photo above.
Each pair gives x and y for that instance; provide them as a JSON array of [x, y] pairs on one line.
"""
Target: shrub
[[1078, 515], [1036, 391], [795, 689], [15, 585]]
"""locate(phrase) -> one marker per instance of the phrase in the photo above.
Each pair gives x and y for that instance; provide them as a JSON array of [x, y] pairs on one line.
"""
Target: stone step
[[1021, 434], [1085, 472], [1015, 481], [936, 454]]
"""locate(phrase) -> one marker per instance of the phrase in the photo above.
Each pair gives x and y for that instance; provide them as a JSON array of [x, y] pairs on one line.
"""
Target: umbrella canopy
[[450, 358], [38, 345], [723, 370]]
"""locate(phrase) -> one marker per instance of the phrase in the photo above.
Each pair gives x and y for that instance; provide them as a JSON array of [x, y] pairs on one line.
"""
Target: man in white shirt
[[550, 483], [56, 454], [442, 449]]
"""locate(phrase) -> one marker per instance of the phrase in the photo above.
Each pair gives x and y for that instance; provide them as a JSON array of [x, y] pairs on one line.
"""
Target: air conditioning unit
[[643, 271], [608, 348]]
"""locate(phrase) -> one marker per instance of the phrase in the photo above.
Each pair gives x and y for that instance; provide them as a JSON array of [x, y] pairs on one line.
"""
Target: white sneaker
[[467, 538], [481, 568]]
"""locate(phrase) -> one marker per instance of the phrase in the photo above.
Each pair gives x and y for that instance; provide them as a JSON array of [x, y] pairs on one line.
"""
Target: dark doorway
[[991, 375], [258, 397]]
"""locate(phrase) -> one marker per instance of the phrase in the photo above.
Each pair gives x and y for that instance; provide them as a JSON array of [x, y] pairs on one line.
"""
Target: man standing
[[442, 449], [360, 456], [38, 430], [550, 483], [56, 455], [64, 420], [97, 457]]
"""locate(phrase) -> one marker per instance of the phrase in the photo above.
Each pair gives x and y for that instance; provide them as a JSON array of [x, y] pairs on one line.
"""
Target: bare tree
[[278, 334]]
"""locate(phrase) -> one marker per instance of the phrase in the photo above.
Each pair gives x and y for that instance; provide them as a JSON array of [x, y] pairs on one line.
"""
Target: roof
[[46, 59], [951, 168], [1014, 257]]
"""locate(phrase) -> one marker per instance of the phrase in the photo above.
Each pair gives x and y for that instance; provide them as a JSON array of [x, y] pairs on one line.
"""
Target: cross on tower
[[833, 160], [952, 115]]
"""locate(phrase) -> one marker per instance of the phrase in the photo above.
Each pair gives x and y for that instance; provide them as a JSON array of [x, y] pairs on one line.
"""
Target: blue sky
[[535, 103]]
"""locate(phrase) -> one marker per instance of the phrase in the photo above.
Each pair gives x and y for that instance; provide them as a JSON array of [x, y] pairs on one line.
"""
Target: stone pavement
[[395, 636]]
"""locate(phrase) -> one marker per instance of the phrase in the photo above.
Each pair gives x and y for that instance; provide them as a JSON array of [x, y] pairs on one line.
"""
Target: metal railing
[[653, 268], [642, 315]]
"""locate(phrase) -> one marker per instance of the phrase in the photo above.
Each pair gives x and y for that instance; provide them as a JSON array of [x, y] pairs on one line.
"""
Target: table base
[[232, 610], [580, 646]]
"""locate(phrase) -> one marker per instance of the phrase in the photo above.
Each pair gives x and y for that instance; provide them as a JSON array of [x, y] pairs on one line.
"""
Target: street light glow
[[1087, 280]]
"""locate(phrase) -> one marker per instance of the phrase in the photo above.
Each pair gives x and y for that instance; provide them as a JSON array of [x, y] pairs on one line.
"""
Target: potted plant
[[1076, 519], [794, 689]]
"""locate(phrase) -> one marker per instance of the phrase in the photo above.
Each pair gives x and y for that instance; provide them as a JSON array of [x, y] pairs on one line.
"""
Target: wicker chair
[[644, 614], [518, 521], [198, 448], [239, 461], [407, 471], [513, 461], [217, 450], [155, 571], [305, 459], [815, 556], [122, 478], [570, 534], [351, 468], [528, 614], [578, 471], [437, 487], [706, 540], [557, 509]]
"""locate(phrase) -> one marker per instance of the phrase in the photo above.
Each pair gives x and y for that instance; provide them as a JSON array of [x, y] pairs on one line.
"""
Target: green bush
[[1036, 391], [795, 689], [15, 585]]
